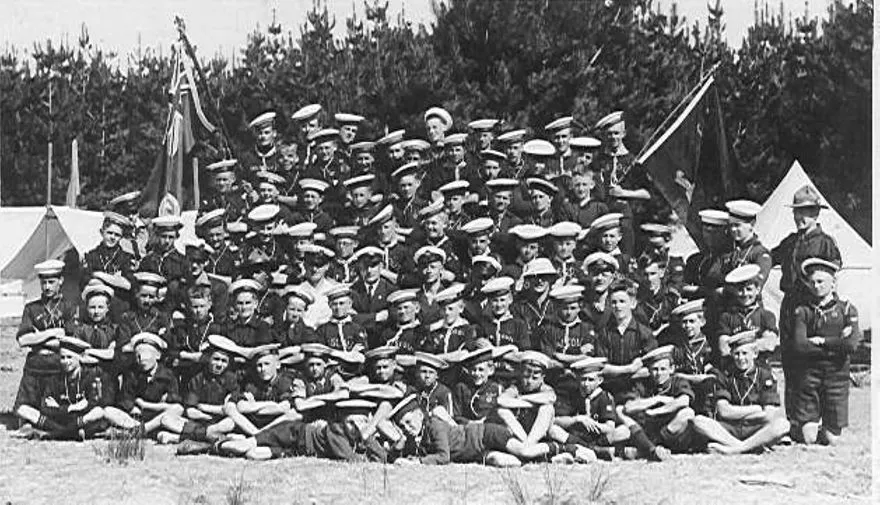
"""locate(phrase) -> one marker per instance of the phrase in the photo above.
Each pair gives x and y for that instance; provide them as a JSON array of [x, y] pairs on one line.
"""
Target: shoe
[[660, 453], [562, 458], [785, 440], [584, 455], [605, 453], [165, 437], [192, 447]]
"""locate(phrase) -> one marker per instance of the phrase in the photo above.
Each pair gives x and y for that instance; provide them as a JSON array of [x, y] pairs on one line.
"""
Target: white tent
[[775, 222], [34, 234]]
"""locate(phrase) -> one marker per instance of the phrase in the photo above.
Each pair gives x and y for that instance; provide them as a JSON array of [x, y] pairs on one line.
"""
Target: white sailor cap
[[306, 113]]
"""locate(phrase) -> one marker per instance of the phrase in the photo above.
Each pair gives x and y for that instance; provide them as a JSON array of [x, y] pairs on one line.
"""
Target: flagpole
[[196, 196], [675, 112], [49, 161]]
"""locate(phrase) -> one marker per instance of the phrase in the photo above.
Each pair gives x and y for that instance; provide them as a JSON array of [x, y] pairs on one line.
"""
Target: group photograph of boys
[[474, 290]]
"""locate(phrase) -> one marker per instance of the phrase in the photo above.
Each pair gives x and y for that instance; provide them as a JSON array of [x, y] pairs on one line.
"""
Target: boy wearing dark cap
[[747, 413]]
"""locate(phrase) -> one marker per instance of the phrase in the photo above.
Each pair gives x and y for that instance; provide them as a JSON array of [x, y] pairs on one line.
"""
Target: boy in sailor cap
[[566, 333], [164, 259], [264, 156], [341, 331], [263, 246], [437, 122], [224, 257], [406, 200], [532, 303], [313, 193], [527, 244], [405, 331], [747, 411], [661, 403], [203, 419], [270, 188], [747, 249], [705, 268], [52, 310], [359, 206], [614, 161], [825, 333], [541, 194], [565, 161], [485, 129], [745, 311], [474, 398], [149, 391], [348, 126], [97, 328], [291, 330], [198, 253], [246, 328], [315, 378], [601, 271], [451, 332], [606, 231], [397, 257], [225, 193], [563, 239], [266, 396], [346, 240], [363, 158], [455, 195], [501, 197], [433, 222], [588, 414], [109, 255], [497, 323], [69, 404]]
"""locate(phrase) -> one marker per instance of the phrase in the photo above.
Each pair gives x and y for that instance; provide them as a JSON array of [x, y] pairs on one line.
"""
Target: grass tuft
[[238, 493], [515, 486], [123, 446]]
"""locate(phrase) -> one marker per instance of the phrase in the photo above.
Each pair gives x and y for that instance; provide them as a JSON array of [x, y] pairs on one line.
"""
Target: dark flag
[[173, 186], [690, 162]]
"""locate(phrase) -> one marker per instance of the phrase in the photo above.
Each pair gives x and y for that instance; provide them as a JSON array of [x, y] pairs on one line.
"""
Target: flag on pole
[[171, 186], [690, 163], [73, 188]]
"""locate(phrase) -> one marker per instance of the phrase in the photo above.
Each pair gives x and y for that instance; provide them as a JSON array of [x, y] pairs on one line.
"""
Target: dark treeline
[[794, 89]]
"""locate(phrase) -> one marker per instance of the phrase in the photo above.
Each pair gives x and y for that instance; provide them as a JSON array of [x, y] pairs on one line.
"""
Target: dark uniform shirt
[[174, 267], [224, 261], [506, 330], [235, 203], [405, 337], [209, 389], [442, 339], [161, 386], [343, 334], [750, 252], [576, 337], [828, 321], [297, 333], [754, 387], [797, 247], [250, 333], [470, 404], [277, 390], [531, 311], [113, 261], [89, 384]]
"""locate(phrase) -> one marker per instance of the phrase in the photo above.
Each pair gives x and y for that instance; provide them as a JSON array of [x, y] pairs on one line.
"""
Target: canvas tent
[[34, 234], [775, 222]]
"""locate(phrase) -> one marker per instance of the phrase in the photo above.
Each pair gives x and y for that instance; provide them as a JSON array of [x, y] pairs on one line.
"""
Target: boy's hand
[[79, 406], [636, 365], [51, 402], [819, 341], [590, 425]]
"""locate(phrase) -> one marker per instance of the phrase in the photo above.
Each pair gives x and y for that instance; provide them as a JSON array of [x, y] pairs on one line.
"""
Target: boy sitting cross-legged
[[747, 410]]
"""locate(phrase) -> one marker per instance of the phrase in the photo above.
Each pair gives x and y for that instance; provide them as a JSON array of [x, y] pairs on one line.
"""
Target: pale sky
[[221, 25]]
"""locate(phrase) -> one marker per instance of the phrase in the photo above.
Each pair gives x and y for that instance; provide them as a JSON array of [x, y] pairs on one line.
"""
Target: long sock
[[640, 440]]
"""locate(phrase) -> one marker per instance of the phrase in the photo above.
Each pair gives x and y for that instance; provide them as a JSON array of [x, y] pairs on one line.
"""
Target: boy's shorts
[[741, 430]]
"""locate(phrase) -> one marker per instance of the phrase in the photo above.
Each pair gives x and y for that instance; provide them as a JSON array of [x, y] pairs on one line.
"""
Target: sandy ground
[[70, 472]]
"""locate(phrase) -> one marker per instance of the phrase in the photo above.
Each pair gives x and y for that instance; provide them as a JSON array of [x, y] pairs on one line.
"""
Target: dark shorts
[[495, 437], [284, 439], [741, 430], [822, 394]]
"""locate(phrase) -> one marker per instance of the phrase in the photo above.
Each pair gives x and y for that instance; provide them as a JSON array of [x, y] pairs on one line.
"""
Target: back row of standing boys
[[412, 300]]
